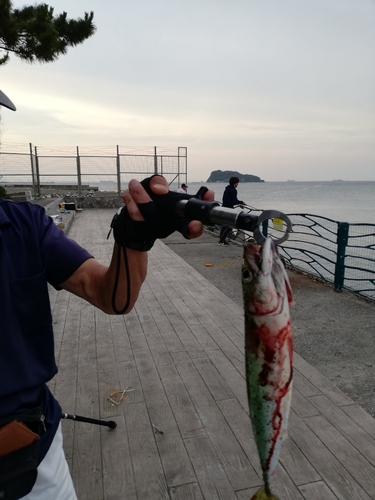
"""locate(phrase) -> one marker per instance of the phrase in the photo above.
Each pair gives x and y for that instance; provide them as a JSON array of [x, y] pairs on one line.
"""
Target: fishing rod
[[194, 207], [106, 423], [212, 213]]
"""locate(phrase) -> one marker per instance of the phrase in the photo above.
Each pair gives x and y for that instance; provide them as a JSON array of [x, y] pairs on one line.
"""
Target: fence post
[[265, 227], [342, 241], [179, 168], [118, 170], [32, 169], [79, 177], [155, 162], [37, 186]]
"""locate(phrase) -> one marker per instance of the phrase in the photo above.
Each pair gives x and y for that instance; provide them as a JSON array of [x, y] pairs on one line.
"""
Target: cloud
[[287, 88]]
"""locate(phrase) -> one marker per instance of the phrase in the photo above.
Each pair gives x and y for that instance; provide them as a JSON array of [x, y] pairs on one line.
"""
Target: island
[[225, 175]]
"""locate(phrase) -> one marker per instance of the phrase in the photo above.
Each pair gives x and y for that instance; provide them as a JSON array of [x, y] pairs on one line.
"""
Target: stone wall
[[99, 200]]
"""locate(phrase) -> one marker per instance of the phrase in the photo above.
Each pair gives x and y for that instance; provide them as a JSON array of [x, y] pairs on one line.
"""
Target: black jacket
[[230, 197]]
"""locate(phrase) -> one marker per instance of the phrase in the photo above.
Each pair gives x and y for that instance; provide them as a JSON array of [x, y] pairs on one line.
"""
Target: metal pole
[[342, 241], [79, 178], [155, 162], [178, 167], [37, 193], [32, 169], [118, 170]]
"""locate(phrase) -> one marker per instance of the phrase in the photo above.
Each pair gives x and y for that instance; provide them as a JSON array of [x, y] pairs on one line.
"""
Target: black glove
[[160, 220]]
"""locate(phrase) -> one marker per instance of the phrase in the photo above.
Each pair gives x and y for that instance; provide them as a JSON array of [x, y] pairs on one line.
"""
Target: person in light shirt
[[182, 189]]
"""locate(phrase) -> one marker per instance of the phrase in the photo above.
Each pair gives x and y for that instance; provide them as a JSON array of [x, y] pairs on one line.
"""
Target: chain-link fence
[[83, 169]]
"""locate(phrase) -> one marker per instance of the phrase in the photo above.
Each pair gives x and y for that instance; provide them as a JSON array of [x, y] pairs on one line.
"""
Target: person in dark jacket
[[229, 201]]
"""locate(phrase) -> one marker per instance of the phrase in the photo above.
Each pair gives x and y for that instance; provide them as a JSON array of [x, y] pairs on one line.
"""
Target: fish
[[267, 295]]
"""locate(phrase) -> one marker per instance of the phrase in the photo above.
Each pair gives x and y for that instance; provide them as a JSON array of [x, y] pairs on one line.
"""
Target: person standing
[[182, 189], [229, 200], [33, 253]]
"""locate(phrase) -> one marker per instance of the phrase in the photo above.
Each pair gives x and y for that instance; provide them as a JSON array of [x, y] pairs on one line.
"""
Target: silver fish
[[268, 353]]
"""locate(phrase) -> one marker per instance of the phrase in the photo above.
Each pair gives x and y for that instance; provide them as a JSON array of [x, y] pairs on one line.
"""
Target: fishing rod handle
[[194, 207], [106, 423], [209, 212]]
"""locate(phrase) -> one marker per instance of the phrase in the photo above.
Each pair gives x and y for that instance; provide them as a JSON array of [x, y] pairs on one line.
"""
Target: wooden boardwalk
[[181, 351]]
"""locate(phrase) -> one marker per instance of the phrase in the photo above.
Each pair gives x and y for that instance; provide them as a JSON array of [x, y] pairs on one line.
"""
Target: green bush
[[3, 192]]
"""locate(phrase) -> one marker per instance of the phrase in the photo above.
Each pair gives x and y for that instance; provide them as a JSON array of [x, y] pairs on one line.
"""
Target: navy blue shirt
[[230, 197], [33, 252]]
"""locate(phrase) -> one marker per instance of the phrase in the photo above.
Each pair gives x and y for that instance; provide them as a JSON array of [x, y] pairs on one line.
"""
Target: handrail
[[346, 255], [336, 252]]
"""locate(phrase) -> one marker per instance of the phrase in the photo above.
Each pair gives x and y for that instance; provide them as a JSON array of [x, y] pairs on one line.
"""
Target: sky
[[281, 89]]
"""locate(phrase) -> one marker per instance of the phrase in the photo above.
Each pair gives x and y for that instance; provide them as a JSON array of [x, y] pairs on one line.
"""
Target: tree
[[3, 192], [33, 33]]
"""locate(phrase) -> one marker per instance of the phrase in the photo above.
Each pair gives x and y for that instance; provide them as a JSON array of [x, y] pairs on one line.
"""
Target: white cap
[[5, 101]]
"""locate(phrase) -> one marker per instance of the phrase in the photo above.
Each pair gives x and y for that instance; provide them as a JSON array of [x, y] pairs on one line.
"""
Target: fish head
[[264, 279]]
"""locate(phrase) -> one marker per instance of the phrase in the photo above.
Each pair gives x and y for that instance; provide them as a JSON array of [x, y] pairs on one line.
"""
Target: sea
[[341, 201]]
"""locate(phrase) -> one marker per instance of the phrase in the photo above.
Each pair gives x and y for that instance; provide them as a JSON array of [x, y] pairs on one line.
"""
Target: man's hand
[[135, 194]]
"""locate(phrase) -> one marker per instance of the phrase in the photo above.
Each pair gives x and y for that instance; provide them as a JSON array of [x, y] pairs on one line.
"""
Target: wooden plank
[[335, 475], [216, 384], [317, 491], [297, 464], [284, 487], [232, 376], [190, 491], [203, 337], [246, 494], [182, 406], [302, 384], [240, 424], [86, 333], [301, 405], [180, 357], [353, 461], [159, 350], [362, 418], [108, 382], [121, 340], [354, 433], [144, 315], [213, 482], [176, 463], [148, 471], [118, 476], [87, 466], [232, 352], [321, 382], [164, 326], [135, 331], [230, 452], [129, 377]]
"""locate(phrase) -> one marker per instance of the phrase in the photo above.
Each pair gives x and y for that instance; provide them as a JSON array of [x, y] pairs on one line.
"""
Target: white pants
[[54, 480]]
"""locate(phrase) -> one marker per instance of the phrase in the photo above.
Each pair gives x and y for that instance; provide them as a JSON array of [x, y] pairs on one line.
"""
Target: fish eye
[[246, 276]]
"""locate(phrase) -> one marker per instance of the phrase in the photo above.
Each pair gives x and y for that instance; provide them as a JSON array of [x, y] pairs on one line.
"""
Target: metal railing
[[333, 251], [111, 168], [336, 252]]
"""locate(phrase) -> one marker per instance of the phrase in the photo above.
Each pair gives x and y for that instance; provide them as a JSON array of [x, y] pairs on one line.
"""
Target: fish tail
[[263, 494]]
